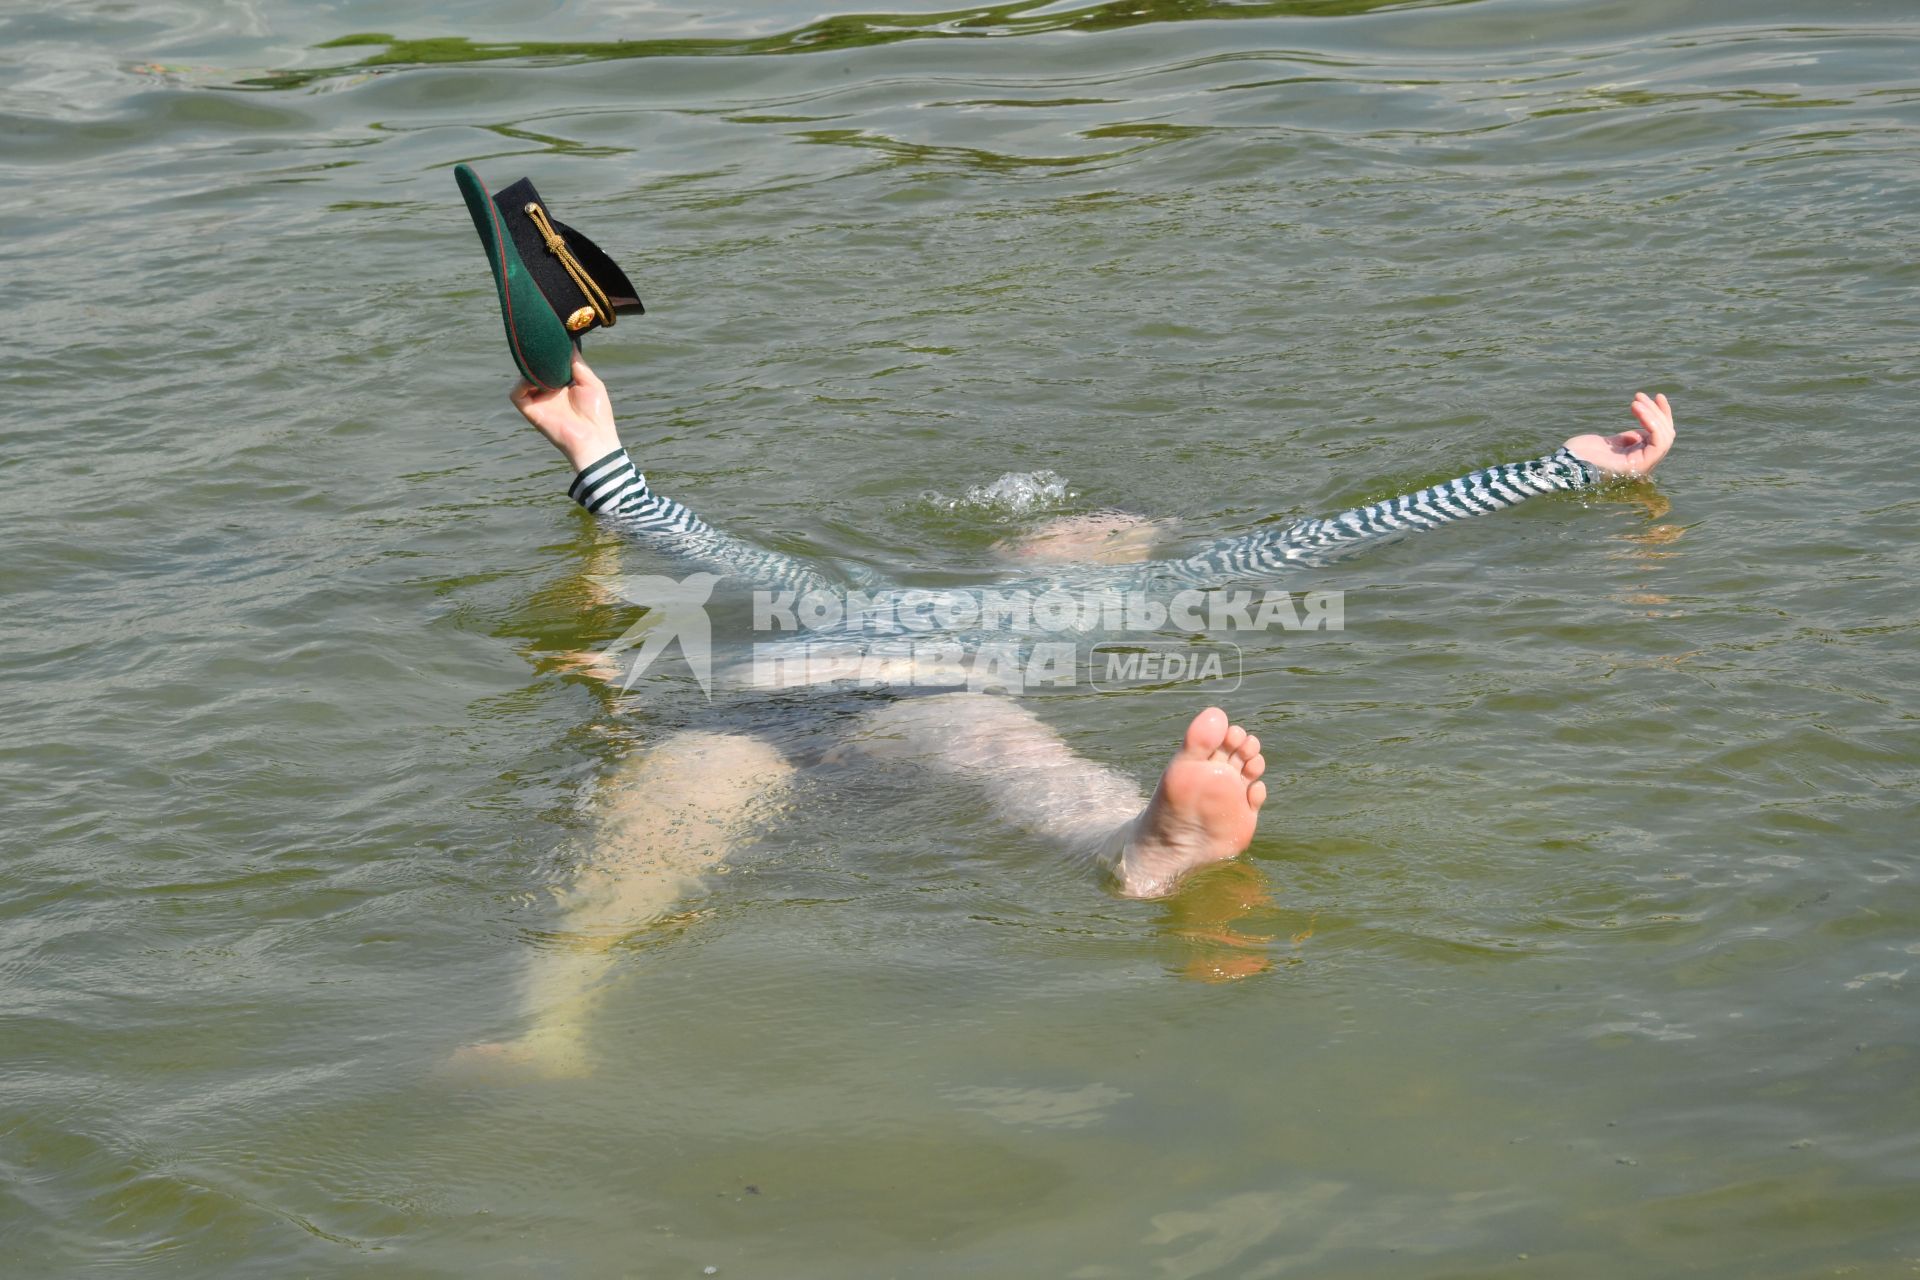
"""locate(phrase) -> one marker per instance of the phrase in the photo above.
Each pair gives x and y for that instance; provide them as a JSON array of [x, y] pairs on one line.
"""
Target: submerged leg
[[665, 818], [1202, 811]]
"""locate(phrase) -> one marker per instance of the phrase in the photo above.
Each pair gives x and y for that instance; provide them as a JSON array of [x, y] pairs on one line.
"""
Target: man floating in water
[[689, 799]]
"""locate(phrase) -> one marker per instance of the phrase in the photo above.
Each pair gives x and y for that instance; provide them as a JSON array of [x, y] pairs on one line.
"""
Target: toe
[[1207, 732], [1235, 736], [1248, 749], [1253, 768], [1256, 795]]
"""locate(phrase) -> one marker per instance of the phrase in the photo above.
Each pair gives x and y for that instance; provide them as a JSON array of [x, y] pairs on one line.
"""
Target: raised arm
[[1580, 463], [578, 421]]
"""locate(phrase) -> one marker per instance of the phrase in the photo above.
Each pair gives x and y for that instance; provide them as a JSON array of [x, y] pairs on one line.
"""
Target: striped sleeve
[[614, 490], [1329, 538]]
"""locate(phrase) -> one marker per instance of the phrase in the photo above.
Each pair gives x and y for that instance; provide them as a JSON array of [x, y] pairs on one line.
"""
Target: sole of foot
[[1203, 811]]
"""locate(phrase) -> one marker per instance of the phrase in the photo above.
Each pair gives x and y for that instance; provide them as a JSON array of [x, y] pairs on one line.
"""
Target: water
[[1583, 932]]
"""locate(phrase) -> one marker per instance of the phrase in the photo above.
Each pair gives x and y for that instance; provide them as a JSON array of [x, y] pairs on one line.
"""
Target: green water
[[1582, 935]]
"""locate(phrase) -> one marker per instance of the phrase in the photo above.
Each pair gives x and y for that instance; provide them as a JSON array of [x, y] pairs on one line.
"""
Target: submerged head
[[1103, 537]]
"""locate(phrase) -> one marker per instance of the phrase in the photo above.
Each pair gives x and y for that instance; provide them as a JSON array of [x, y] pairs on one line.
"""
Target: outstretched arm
[[1580, 463], [578, 421]]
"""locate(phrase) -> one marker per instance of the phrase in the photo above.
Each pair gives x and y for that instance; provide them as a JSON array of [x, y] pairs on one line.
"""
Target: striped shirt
[[1329, 538], [614, 490]]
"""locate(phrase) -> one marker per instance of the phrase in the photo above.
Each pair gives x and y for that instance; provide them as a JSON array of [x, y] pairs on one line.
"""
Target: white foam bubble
[[1013, 493]]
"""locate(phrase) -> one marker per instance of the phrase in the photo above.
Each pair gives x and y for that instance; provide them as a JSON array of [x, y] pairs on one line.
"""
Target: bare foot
[[547, 1054], [1203, 810]]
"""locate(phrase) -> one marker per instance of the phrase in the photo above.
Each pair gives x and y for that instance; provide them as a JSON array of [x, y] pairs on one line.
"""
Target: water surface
[[1582, 934]]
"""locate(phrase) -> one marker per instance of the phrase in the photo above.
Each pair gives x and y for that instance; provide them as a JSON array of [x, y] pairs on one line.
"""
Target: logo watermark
[[1009, 638], [1214, 666], [676, 610]]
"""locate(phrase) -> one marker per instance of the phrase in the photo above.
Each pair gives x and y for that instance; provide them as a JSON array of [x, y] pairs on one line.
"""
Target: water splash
[[1014, 493]]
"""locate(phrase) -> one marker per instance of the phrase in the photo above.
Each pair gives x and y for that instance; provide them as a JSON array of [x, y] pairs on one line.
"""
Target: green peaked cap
[[538, 338]]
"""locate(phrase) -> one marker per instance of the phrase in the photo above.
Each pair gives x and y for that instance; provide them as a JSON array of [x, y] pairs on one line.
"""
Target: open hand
[[1634, 452], [577, 420]]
